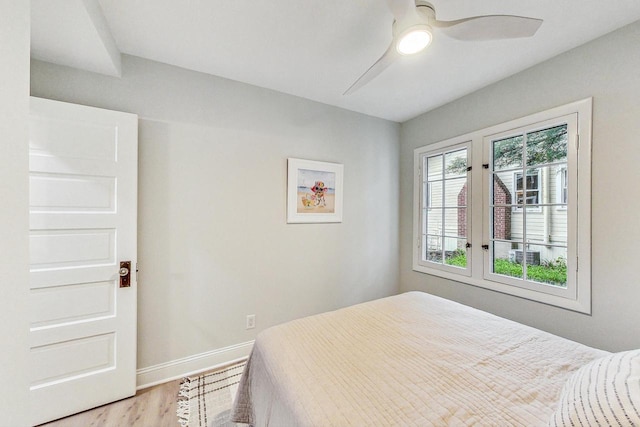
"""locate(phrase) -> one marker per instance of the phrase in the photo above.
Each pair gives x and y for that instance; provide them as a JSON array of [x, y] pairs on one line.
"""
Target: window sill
[[578, 305]]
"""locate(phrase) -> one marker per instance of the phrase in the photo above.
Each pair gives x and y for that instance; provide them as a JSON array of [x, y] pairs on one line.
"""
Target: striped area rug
[[205, 400]]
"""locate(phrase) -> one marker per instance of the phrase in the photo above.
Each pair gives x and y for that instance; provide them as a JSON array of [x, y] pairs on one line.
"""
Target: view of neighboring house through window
[[444, 187], [562, 192], [521, 179], [533, 188], [534, 248]]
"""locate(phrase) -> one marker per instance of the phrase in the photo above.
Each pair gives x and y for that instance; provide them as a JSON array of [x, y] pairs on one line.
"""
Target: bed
[[410, 359]]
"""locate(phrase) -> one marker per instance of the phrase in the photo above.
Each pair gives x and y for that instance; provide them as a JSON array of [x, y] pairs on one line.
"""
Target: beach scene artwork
[[316, 191]]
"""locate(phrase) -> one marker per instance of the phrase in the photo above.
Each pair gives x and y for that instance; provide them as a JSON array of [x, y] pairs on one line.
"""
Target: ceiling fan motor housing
[[426, 8], [413, 32]]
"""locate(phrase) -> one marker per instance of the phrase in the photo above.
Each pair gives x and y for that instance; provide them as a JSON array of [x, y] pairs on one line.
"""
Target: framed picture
[[314, 191]]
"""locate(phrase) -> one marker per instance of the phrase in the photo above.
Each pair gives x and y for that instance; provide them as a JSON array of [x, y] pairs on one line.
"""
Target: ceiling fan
[[413, 25]]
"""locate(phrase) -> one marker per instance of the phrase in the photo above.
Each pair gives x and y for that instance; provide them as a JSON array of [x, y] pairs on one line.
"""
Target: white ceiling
[[316, 49]]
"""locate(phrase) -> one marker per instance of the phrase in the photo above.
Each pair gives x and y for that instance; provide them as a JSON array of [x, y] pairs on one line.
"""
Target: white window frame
[[561, 181], [429, 196], [419, 204], [518, 209], [570, 291], [577, 296]]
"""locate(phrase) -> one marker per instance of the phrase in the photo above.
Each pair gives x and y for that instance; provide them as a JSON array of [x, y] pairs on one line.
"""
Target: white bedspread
[[411, 359]]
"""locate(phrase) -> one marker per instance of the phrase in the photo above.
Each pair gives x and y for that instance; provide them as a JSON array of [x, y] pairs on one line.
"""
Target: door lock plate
[[125, 274]]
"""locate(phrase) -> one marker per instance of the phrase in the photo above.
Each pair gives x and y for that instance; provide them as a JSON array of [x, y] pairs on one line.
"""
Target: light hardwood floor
[[151, 407]]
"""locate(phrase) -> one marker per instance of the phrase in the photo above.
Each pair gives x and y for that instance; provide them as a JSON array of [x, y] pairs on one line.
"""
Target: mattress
[[411, 359]]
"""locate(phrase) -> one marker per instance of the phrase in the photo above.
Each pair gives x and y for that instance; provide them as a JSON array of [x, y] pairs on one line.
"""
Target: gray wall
[[14, 212], [608, 70], [214, 245]]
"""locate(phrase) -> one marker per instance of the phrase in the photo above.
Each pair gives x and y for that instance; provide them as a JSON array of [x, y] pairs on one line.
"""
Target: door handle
[[125, 274]]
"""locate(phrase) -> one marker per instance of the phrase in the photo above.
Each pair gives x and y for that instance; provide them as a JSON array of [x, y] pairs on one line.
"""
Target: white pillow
[[604, 392]]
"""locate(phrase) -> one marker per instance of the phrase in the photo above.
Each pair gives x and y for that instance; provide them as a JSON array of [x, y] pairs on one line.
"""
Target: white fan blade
[[399, 8], [490, 27], [378, 67]]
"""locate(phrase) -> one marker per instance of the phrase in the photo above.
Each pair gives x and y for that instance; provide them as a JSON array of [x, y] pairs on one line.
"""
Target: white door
[[83, 208]]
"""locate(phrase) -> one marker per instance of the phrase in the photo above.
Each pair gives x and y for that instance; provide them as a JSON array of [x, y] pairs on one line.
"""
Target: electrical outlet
[[251, 321]]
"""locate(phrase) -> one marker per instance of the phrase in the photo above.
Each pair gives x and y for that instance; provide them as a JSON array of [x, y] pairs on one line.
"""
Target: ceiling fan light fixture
[[413, 40], [411, 32]]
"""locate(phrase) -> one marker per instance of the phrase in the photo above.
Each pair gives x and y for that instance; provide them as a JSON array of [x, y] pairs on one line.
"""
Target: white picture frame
[[314, 191]]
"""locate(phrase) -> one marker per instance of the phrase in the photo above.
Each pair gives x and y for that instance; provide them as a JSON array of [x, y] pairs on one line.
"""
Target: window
[[428, 195], [498, 208], [533, 189], [527, 255], [443, 201], [562, 190]]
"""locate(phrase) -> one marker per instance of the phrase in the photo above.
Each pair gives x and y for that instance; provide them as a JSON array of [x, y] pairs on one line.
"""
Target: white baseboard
[[169, 371]]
